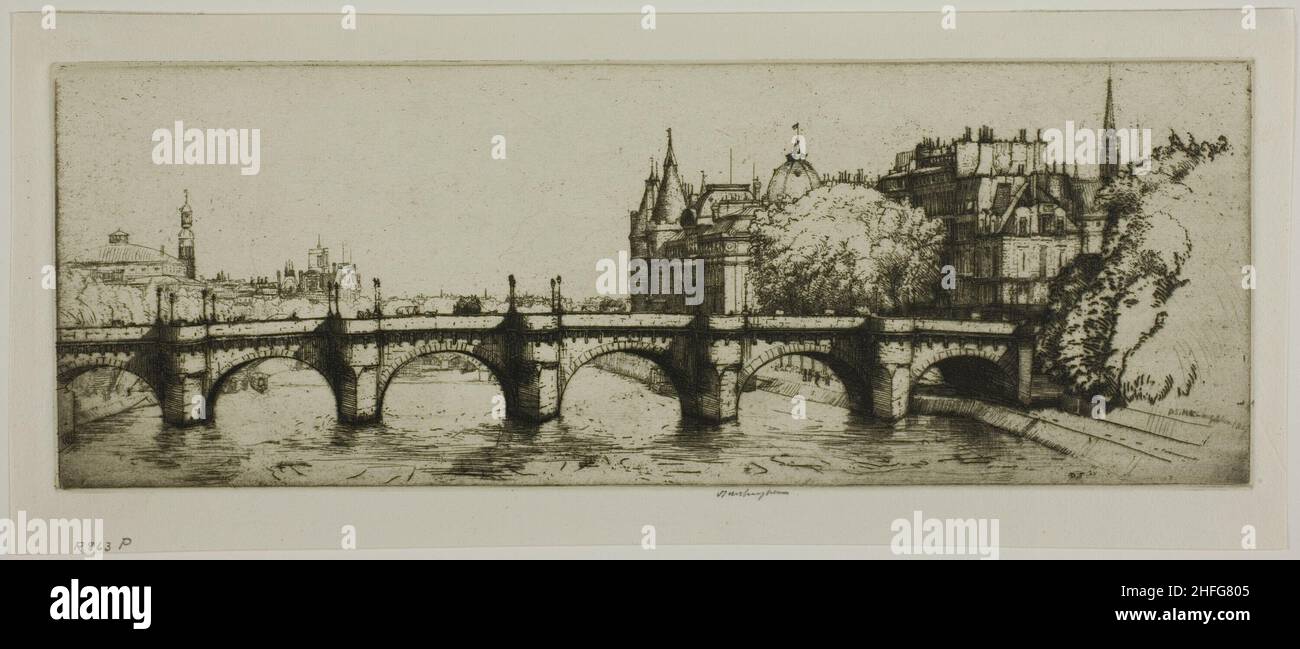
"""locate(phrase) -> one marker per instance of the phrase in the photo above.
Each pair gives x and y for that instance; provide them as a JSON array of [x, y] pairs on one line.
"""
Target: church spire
[[1109, 120], [1109, 154]]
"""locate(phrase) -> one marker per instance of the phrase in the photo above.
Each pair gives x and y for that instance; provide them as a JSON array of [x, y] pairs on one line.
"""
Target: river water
[[438, 429]]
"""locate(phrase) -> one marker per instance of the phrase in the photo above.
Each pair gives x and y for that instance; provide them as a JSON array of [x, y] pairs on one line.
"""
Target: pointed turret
[[670, 199], [646, 210], [640, 217]]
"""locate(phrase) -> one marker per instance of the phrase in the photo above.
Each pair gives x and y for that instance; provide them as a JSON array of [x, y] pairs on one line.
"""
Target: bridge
[[708, 358]]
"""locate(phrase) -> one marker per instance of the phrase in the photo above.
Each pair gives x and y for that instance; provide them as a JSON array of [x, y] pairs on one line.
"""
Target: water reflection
[[438, 429]]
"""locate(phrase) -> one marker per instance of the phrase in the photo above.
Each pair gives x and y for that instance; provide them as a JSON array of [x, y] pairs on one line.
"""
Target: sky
[[395, 160]]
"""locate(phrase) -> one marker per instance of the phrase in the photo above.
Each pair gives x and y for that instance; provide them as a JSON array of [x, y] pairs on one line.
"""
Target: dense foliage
[[845, 248]]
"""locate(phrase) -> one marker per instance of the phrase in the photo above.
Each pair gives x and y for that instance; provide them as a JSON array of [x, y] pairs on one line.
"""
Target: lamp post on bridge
[[171, 308], [379, 313], [510, 301], [157, 304]]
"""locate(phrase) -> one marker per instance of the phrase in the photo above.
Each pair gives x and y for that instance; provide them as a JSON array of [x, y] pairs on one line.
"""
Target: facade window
[[1024, 227], [1002, 197]]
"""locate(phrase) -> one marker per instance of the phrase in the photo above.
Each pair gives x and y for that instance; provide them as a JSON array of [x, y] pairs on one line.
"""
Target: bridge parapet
[[627, 320], [965, 327], [182, 334], [895, 325], [538, 322], [426, 322], [267, 328], [102, 334], [843, 323]]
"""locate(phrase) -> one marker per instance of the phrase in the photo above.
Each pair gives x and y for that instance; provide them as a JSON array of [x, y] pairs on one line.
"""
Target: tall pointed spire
[[1109, 122], [670, 159], [1109, 153]]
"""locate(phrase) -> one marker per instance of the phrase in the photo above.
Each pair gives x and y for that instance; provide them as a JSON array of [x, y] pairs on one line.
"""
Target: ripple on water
[[613, 431]]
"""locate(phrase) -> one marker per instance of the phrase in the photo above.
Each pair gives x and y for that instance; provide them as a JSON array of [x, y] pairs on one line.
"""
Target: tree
[[467, 305], [844, 248], [1107, 329], [611, 305]]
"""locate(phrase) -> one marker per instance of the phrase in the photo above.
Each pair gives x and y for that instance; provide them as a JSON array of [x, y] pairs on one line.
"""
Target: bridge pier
[[891, 387], [1025, 371], [535, 392], [714, 395], [180, 407], [358, 395]]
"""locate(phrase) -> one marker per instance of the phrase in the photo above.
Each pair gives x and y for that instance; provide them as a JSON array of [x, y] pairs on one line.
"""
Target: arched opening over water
[[967, 376], [271, 392], [442, 389], [95, 393], [622, 387], [825, 384]]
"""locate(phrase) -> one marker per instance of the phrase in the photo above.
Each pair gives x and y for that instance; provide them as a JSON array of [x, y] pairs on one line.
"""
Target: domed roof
[[791, 180]]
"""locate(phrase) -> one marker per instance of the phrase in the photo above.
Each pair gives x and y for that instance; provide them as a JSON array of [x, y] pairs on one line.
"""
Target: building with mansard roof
[[1013, 220]]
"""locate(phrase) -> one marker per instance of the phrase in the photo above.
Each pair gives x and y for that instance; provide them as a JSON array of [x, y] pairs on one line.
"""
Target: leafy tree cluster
[[844, 248], [1107, 329]]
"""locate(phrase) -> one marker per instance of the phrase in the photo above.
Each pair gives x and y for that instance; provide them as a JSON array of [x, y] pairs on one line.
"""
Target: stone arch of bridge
[[981, 370], [854, 382], [656, 354], [135, 366], [476, 352], [231, 367]]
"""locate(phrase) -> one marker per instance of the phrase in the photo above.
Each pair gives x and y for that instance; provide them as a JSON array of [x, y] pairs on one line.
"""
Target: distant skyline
[[394, 160]]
